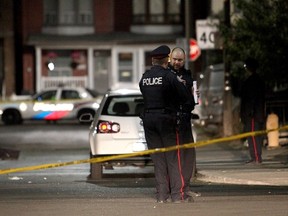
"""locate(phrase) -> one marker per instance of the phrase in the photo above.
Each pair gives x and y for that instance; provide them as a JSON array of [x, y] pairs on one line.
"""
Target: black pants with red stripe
[[160, 132], [188, 156], [254, 142]]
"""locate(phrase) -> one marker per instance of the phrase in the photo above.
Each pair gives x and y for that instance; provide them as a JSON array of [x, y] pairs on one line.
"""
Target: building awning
[[115, 38]]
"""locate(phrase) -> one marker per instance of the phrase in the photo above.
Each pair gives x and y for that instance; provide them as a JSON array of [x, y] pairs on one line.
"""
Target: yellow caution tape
[[146, 152]]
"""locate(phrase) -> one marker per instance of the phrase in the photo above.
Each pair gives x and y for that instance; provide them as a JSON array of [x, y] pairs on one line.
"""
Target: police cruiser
[[51, 104]]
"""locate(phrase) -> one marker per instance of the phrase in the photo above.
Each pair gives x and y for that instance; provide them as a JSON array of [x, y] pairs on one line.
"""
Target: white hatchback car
[[117, 129]]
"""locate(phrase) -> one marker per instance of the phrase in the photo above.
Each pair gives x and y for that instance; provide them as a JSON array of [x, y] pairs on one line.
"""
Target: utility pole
[[227, 109], [190, 32], [187, 30], [191, 14]]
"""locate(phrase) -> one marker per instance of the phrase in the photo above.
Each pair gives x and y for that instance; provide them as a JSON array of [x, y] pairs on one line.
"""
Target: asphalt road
[[69, 191], [42, 135], [70, 195]]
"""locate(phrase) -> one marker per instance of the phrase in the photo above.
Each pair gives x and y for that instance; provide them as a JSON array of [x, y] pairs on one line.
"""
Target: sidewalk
[[228, 166]]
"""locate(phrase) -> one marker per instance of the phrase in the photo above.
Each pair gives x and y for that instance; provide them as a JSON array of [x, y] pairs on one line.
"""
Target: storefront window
[[125, 73], [148, 60], [102, 70], [63, 63]]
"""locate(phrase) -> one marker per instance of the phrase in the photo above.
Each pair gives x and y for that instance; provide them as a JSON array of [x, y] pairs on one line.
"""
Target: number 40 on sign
[[206, 31]]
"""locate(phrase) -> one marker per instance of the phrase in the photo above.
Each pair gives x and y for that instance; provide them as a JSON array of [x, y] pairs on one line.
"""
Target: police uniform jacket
[[162, 90]]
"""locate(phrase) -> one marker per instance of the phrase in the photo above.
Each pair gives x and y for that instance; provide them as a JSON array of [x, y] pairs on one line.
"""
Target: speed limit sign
[[207, 33]]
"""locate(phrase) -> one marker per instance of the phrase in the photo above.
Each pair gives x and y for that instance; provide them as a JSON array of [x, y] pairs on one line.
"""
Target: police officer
[[162, 93], [253, 109], [188, 156]]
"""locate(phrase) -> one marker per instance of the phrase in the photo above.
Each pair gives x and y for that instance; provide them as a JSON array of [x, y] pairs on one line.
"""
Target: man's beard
[[178, 68]]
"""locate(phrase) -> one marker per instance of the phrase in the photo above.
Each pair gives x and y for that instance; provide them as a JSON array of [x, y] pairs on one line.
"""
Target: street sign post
[[207, 33]]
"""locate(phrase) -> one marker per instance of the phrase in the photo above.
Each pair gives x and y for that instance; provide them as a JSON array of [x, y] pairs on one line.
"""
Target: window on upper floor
[[156, 11], [68, 12]]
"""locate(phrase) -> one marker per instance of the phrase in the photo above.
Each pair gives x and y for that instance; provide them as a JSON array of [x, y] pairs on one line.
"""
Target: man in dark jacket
[[163, 93], [253, 109], [177, 66]]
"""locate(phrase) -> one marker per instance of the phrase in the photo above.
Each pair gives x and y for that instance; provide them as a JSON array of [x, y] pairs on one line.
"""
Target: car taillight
[[108, 127]]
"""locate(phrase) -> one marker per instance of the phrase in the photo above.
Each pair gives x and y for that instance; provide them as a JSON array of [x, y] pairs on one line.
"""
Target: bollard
[[273, 136]]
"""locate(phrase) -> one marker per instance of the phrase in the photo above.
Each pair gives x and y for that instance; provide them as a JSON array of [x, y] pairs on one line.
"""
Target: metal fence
[[79, 81]]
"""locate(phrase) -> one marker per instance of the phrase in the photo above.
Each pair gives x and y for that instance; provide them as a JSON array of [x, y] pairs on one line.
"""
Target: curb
[[226, 177]]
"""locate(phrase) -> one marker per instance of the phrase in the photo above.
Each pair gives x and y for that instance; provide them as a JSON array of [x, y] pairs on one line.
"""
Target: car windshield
[[131, 105], [48, 95], [93, 93]]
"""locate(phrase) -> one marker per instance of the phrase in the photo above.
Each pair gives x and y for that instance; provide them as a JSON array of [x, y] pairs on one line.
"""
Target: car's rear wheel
[[85, 111], [96, 171], [11, 117]]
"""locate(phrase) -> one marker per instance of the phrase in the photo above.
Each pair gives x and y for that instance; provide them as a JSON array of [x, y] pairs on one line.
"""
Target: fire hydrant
[[273, 136]]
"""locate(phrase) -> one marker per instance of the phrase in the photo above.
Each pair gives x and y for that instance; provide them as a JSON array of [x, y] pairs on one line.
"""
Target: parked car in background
[[117, 129], [51, 104], [211, 103]]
